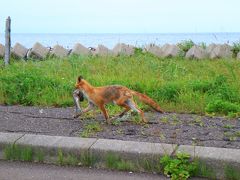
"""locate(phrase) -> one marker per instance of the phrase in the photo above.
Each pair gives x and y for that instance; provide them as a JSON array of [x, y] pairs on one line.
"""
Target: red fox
[[120, 95]]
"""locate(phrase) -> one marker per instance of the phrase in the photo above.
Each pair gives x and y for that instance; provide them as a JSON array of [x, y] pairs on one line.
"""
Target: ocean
[[110, 40]]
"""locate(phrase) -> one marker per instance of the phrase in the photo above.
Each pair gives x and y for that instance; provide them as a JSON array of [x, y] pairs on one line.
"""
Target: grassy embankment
[[178, 85]]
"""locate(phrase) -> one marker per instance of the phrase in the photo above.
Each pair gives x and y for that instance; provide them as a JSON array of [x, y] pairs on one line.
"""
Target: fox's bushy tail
[[144, 98]]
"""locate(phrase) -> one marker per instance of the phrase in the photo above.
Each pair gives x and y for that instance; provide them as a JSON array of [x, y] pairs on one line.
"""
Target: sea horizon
[[127, 33], [109, 40]]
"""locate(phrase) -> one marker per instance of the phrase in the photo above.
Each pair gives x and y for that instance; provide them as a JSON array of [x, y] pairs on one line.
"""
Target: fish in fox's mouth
[[78, 96]]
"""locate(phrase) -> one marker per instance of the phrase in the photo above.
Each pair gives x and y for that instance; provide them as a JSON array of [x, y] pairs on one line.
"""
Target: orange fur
[[120, 95]]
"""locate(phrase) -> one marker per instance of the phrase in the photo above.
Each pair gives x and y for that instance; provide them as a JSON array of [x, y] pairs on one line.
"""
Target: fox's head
[[79, 83]]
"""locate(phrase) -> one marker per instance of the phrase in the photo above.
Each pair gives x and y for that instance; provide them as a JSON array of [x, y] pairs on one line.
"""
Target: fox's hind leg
[[134, 107], [127, 108], [124, 105]]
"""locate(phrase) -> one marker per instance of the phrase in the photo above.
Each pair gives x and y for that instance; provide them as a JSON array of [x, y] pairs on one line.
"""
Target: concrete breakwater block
[[59, 51], [123, 49], [196, 52], [102, 50], [210, 48], [153, 49], [79, 49], [38, 51], [19, 51], [221, 51], [170, 50], [2, 51]]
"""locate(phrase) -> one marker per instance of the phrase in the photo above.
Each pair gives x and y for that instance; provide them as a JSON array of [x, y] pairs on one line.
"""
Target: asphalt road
[[34, 171], [168, 128]]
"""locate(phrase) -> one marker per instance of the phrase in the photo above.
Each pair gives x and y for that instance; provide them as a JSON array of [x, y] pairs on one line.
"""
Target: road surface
[[36, 171], [170, 128]]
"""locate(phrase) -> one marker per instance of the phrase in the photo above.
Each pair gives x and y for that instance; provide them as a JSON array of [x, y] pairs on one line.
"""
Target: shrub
[[222, 90], [186, 45], [222, 97], [236, 48], [138, 51], [219, 88], [223, 107], [28, 87], [178, 168]]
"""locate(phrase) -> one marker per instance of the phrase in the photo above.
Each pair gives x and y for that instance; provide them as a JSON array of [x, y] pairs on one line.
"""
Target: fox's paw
[[109, 122], [113, 118], [144, 121]]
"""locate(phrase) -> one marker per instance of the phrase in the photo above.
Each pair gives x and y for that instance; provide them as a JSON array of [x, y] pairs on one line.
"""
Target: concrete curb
[[215, 158]]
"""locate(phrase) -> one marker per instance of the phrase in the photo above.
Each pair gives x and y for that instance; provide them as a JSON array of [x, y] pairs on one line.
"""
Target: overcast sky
[[121, 16]]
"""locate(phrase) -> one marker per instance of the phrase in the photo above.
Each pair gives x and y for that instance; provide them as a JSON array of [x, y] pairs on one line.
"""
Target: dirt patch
[[165, 128]]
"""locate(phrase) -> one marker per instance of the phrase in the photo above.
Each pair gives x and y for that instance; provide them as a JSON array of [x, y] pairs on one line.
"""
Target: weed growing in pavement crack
[[90, 129]]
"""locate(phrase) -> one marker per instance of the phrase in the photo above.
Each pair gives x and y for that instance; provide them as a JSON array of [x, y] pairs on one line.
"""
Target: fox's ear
[[80, 78]]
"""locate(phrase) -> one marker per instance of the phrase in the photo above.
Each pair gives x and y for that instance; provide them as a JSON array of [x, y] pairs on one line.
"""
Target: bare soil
[[162, 128]]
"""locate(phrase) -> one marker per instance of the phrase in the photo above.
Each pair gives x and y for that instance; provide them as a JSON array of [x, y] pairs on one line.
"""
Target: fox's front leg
[[105, 113], [89, 108]]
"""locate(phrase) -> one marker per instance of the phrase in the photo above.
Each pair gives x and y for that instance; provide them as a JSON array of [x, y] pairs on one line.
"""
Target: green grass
[[39, 156], [177, 85], [231, 173], [67, 159], [202, 170], [60, 159], [90, 129], [116, 122], [87, 159], [84, 159], [232, 136], [72, 160], [15, 152], [152, 166], [115, 162]]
